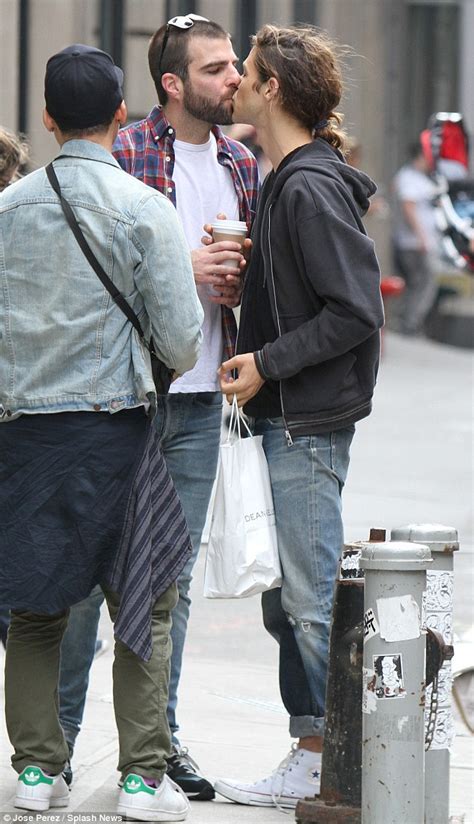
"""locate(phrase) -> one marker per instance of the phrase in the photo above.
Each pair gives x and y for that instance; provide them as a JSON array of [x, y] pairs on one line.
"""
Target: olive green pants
[[140, 692]]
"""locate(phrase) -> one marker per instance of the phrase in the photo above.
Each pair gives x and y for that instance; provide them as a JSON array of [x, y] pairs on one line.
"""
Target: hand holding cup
[[233, 231]]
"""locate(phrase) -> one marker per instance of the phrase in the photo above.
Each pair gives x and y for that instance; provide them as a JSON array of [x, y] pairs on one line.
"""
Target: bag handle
[[236, 418], [89, 254]]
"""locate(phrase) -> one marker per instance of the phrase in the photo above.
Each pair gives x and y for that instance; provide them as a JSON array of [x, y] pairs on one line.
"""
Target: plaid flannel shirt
[[145, 150]]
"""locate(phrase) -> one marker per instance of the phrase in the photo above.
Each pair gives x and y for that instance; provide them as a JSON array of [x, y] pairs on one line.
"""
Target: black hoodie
[[312, 256]]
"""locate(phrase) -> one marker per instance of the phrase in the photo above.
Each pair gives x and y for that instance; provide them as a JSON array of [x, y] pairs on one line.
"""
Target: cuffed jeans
[[307, 481], [189, 426], [140, 692]]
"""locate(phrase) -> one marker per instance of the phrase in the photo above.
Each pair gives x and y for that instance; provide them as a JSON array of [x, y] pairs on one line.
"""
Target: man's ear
[[173, 85], [48, 122], [121, 114]]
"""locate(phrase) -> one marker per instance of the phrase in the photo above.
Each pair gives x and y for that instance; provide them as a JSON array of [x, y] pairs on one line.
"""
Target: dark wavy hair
[[306, 63]]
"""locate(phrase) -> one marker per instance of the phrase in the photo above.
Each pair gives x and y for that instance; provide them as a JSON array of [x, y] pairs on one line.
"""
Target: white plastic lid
[[229, 225]]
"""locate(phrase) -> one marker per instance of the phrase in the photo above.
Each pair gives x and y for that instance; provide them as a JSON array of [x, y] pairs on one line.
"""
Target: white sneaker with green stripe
[[36, 790], [138, 801]]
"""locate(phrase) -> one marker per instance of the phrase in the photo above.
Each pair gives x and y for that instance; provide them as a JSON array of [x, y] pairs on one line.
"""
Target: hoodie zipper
[[245, 208], [289, 439]]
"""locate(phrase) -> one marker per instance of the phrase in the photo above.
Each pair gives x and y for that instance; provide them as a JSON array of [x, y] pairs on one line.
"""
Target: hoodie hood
[[321, 158]]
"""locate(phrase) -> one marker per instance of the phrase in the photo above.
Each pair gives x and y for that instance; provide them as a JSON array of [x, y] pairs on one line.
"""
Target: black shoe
[[67, 771], [184, 771]]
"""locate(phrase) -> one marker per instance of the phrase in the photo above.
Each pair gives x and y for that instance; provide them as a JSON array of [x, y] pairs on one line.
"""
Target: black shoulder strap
[[89, 254]]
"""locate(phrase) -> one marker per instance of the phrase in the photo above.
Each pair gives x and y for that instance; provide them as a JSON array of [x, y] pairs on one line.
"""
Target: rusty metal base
[[316, 811]]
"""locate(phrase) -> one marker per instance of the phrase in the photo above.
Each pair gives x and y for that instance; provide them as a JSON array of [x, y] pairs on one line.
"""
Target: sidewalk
[[410, 462]]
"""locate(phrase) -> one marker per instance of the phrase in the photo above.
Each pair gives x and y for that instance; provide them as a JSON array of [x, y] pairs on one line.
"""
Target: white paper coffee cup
[[234, 230]]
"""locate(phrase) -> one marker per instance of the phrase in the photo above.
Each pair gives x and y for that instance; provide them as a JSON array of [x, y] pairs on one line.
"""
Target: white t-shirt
[[411, 184], [203, 189], [451, 169]]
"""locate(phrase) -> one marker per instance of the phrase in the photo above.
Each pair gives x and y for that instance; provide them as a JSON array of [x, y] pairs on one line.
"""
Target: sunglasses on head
[[182, 22]]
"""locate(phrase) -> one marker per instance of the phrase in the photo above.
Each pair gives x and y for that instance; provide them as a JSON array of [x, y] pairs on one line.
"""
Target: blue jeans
[[77, 654], [189, 426], [307, 481], [4, 624]]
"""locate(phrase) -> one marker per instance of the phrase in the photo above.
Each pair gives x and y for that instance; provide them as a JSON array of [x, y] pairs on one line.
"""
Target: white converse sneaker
[[298, 776], [38, 791], [138, 801]]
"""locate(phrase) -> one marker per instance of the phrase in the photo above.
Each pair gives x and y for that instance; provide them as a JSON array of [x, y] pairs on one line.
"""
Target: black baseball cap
[[82, 87]]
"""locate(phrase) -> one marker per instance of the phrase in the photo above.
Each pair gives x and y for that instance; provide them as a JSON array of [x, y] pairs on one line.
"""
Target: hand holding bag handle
[[162, 376], [242, 551], [236, 418]]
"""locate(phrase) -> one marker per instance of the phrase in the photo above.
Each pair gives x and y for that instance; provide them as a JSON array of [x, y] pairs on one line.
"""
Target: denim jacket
[[64, 344]]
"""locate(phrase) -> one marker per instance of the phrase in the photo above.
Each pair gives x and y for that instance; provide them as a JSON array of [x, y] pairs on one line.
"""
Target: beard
[[206, 110]]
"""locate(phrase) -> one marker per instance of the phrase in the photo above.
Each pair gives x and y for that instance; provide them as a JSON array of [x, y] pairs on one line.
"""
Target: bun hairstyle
[[305, 62]]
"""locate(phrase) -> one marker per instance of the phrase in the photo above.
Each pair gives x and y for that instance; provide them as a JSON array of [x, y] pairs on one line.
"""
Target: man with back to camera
[[178, 150], [75, 382]]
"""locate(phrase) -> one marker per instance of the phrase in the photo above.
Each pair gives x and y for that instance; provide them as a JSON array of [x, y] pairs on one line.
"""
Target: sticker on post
[[439, 596], [424, 595], [369, 701], [442, 622], [371, 626], [389, 676], [399, 618], [444, 729], [350, 567]]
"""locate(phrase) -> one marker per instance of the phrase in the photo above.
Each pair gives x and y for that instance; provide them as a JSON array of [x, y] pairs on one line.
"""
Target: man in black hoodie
[[308, 352]]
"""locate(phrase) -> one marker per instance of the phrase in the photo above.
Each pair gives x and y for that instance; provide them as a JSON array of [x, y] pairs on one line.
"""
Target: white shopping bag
[[242, 552]]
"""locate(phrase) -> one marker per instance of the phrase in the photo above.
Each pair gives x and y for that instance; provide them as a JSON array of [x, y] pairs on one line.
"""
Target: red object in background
[[391, 286], [445, 138]]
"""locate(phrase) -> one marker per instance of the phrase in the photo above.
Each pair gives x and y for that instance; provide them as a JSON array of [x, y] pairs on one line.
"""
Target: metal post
[[339, 801], [393, 683], [442, 541]]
